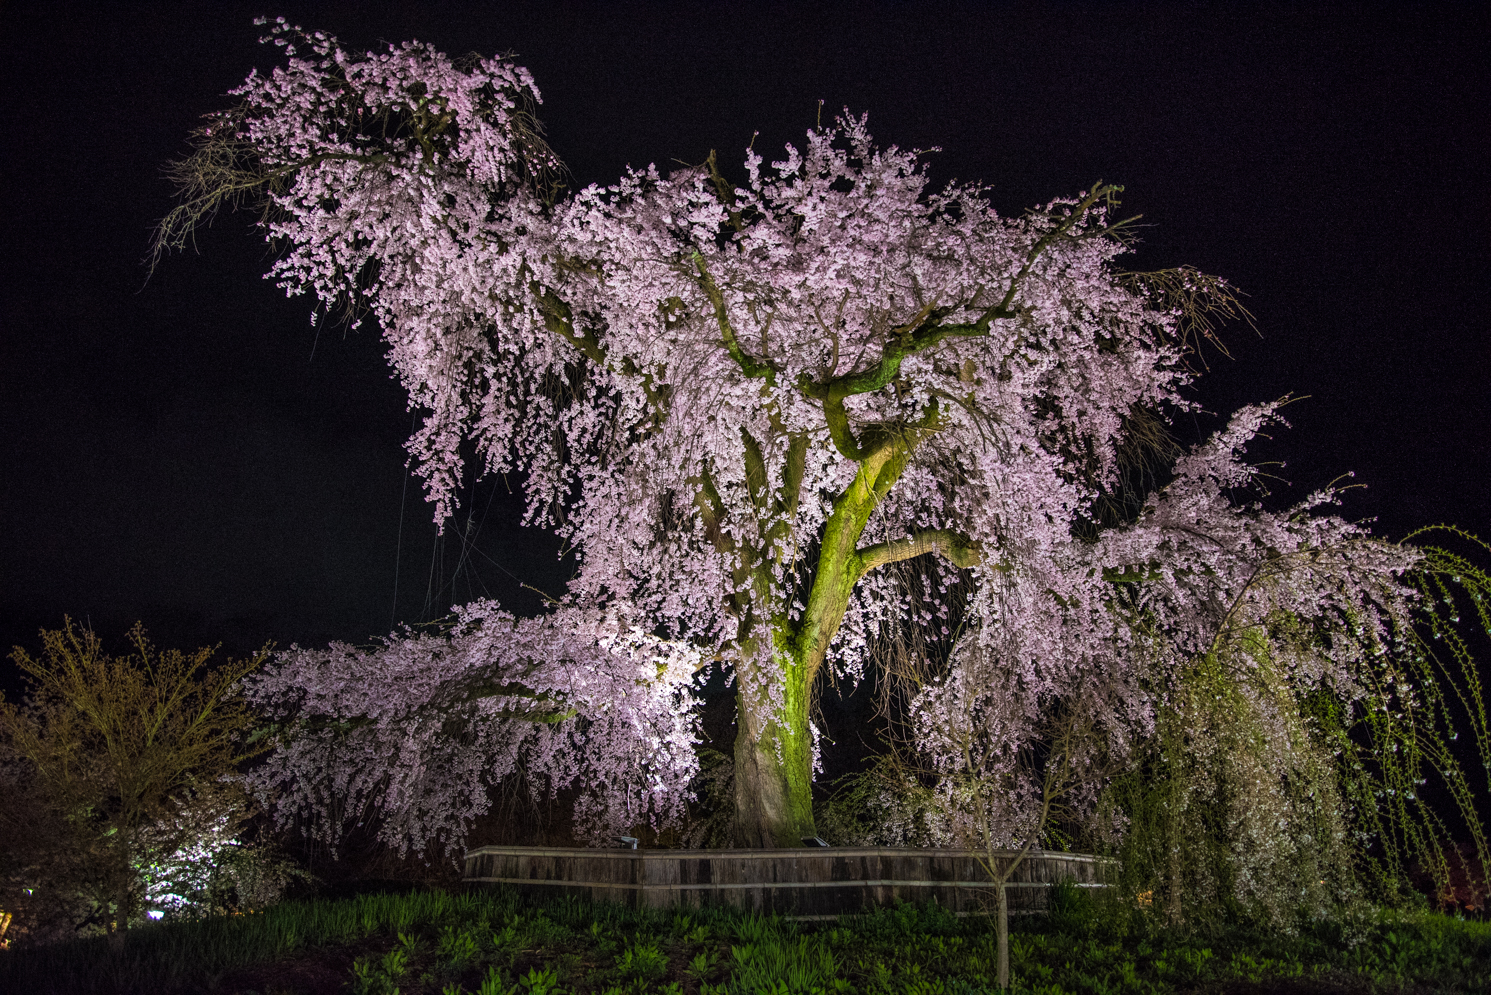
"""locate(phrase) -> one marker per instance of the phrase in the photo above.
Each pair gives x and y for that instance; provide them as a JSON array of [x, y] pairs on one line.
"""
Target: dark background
[[187, 451]]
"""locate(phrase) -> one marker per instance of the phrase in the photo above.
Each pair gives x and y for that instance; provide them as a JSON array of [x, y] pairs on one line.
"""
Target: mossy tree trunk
[[773, 746]]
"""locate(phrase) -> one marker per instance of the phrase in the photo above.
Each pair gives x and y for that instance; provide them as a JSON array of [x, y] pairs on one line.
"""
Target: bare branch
[[222, 170], [1202, 300]]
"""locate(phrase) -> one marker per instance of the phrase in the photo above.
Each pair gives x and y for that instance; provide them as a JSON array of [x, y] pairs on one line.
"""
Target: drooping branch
[[226, 171], [283, 731], [1203, 302]]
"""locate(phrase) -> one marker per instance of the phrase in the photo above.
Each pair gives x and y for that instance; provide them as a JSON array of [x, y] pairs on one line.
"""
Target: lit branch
[[750, 367], [951, 546], [926, 329]]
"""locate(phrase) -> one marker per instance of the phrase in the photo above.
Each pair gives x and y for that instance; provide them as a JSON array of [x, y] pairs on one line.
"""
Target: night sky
[[187, 451]]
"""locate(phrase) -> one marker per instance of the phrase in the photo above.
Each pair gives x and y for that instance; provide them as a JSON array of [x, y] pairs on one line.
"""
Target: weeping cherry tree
[[774, 418]]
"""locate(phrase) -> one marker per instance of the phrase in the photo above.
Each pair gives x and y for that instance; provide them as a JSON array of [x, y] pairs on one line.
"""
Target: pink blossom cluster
[[417, 732], [844, 244], [1286, 603]]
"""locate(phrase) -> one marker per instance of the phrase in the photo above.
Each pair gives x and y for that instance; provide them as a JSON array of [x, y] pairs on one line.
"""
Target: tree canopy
[[781, 420]]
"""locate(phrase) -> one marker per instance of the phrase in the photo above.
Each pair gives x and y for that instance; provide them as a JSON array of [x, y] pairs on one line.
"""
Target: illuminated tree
[[780, 422]]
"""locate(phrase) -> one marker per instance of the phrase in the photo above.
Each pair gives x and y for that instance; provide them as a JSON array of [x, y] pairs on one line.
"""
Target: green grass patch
[[494, 943]]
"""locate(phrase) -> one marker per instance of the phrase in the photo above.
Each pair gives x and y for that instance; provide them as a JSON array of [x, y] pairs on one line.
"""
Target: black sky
[[185, 452]]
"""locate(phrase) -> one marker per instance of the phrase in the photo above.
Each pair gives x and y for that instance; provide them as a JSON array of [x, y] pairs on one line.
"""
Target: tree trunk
[[774, 764], [1174, 896], [773, 744], [1003, 934], [121, 914]]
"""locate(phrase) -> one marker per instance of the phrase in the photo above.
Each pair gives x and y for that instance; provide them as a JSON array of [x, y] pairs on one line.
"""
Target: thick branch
[[842, 435], [759, 369], [952, 546], [755, 462], [711, 511], [877, 436], [785, 507], [559, 319], [838, 568], [925, 329], [908, 339]]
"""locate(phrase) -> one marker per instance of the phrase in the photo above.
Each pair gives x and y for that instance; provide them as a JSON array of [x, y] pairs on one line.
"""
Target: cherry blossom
[[418, 731], [753, 408], [1289, 602]]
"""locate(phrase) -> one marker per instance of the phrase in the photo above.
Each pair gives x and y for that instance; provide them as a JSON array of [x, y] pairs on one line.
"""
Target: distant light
[[156, 914], [625, 842]]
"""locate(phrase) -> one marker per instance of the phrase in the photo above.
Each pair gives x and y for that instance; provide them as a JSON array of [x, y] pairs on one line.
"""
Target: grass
[[493, 943]]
